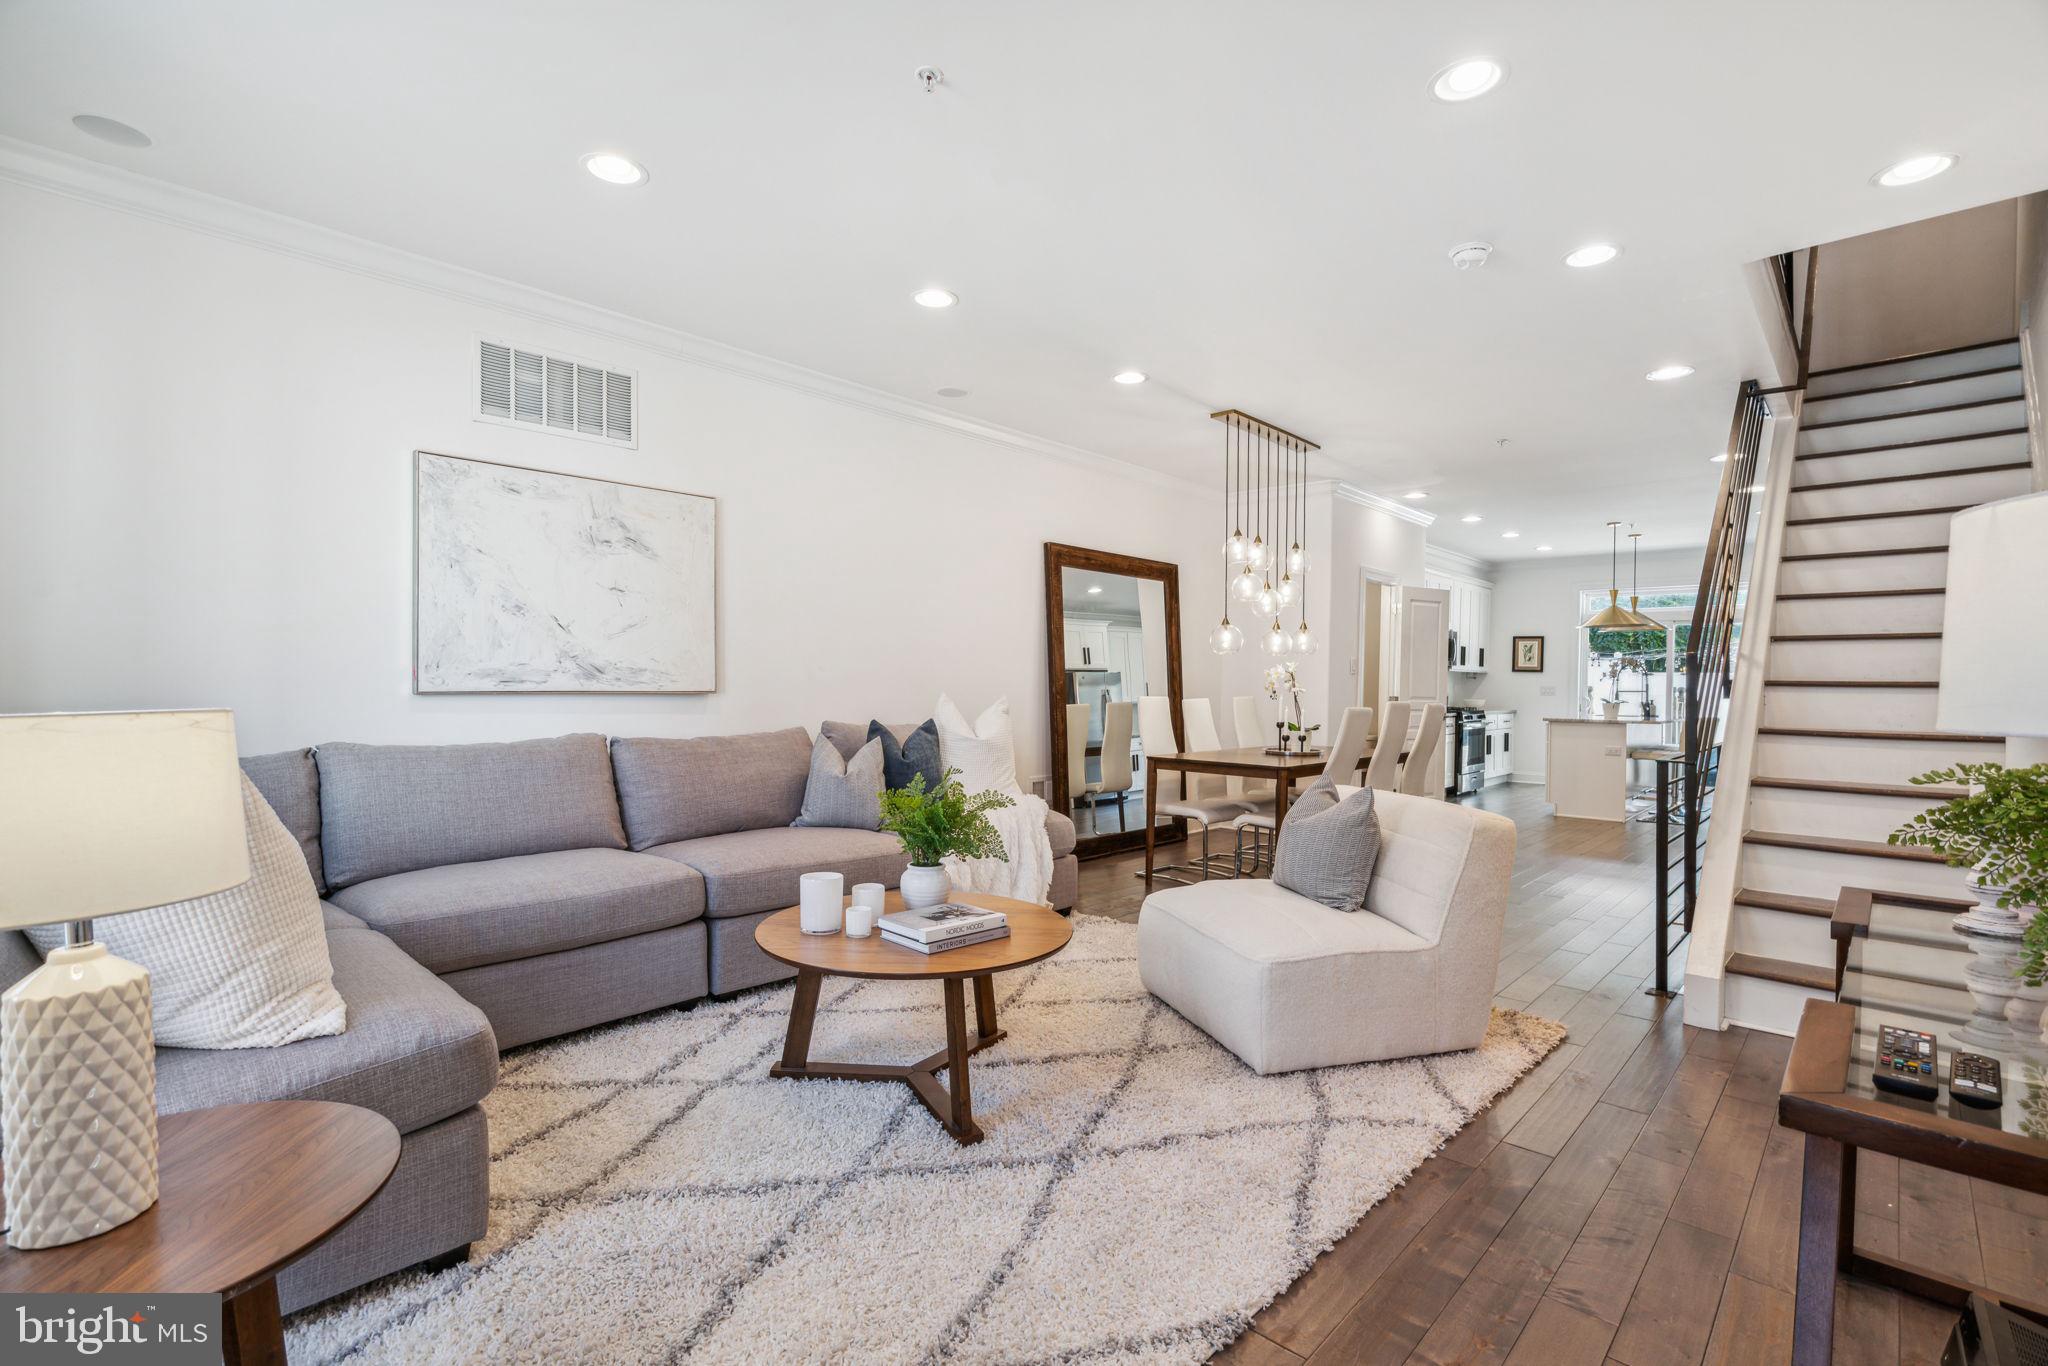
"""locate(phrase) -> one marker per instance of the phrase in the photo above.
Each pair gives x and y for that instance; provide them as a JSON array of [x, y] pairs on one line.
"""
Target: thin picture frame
[[1527, 655]]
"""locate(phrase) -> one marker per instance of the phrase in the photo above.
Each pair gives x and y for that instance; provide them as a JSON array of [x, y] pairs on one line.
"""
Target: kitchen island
[[1586, 774]]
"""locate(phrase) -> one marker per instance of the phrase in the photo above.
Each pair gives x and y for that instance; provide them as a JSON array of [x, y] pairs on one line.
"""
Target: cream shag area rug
[[1140, 1193]]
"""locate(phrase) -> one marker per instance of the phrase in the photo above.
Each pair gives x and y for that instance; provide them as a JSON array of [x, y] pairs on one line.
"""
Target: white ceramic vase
[[1612, 710], [922, 887]]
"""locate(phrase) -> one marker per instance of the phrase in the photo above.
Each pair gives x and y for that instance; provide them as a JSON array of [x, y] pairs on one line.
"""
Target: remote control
[[1973, 1080], [1905, 1063]]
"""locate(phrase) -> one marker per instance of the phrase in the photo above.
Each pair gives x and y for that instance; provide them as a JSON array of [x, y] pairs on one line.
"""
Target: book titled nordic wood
[[948, 920], [958, 941]]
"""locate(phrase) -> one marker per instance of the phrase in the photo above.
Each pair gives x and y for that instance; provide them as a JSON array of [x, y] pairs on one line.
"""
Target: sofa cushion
[[290, 782], [757, 870], [464, 915], [415, 1051], [683, 789], [1059, 828], [388, 809], [906, 750], [846, 793]]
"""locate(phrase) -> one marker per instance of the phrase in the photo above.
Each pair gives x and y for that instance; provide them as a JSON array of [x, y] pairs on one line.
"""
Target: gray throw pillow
[[846, 793], [918, 753], [1328, 846]]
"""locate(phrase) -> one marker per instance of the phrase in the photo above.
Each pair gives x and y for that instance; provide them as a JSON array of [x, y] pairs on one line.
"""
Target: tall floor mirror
[[1112, 634]]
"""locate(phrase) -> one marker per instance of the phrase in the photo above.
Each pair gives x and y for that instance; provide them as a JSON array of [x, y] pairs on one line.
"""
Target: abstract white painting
[[527, 581]]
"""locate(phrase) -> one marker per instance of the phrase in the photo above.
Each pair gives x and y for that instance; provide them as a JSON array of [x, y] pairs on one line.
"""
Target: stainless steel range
[[1465, 737]]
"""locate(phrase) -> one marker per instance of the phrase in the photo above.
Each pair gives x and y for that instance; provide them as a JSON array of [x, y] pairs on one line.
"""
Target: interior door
[[1425, 641]]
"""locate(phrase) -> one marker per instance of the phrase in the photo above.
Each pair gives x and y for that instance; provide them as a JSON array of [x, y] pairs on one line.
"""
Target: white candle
[[860, 921], [820, 899]]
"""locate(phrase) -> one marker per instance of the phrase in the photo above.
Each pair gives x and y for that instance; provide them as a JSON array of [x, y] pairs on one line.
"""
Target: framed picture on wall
[[1528, 654]]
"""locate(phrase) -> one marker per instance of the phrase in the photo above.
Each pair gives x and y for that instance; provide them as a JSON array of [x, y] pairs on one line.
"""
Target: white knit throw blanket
[[1027, 875]]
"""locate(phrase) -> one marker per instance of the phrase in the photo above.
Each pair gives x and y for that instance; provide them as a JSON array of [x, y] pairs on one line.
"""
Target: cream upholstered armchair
[[1286, 983]]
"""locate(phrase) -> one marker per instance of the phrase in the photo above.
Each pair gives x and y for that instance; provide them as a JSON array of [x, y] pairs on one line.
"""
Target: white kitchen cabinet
[[1500, 743], [1088, 645], [1127, 657], [1472, 622]]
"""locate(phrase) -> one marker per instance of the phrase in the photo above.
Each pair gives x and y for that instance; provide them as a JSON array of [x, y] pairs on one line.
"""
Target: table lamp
[[100, 813], [1994, 666]]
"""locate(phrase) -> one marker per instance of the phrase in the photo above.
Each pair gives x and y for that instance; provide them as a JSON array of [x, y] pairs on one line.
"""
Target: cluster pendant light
[[1265, 516], [1615, 617]]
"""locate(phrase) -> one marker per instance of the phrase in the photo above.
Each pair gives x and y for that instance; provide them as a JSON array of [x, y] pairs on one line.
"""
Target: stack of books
[[946, 926]]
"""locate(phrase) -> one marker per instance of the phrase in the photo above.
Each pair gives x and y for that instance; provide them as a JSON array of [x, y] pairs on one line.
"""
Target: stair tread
[[1849, 683], [1861, 593], [1931, 792], [1915, 735], [1836, 844], [1879, 516], [1908, 478], [1860, 635], [1785, 901], [1867, 554], [1913, 445], [1897, 385], [1782, 970], [1912, 355], [1911, 412]]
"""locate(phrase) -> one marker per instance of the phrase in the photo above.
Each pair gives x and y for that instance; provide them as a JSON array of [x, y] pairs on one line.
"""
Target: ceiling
[[1118, 598], [1251, 203]]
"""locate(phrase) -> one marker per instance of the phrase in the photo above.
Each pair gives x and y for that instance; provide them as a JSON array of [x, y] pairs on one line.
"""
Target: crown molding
[[1351, 493], [110, 187], [1449, 561]]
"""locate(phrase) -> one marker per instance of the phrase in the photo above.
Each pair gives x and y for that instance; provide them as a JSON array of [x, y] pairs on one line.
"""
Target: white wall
[[205, 499], [1922, 286], [1541, 598]]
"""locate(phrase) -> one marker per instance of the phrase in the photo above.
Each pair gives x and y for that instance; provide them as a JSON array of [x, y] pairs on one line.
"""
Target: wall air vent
[[521, 387]]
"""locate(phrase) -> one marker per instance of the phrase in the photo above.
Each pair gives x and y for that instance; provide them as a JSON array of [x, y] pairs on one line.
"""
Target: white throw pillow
[[983, 752], [244, 968]]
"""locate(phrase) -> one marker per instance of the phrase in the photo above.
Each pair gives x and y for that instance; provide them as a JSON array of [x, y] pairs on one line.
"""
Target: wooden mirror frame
[[1063, 557]]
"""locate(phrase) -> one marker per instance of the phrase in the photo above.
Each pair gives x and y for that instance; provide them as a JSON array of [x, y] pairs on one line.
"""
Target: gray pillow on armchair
[[1327, 846]]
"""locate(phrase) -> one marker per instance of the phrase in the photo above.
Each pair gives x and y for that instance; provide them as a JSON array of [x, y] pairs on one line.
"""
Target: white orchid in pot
[[1283, 687]]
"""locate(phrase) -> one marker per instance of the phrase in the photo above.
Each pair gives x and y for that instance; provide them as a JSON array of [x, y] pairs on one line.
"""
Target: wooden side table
[[1035, 932], [244, 1191]]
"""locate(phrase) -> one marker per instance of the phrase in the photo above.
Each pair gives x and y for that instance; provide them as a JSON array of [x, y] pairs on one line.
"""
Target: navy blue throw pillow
[[918, 753]]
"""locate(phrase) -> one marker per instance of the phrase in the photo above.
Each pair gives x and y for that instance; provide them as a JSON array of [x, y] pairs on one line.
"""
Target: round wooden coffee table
[[1035, 933], [243, 1192]]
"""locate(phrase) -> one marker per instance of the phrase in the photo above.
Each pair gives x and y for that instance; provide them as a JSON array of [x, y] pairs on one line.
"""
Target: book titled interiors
[[958, 941], [948, 920]]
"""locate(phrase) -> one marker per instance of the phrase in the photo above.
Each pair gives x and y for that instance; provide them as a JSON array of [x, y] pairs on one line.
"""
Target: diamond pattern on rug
[[655, 1196]]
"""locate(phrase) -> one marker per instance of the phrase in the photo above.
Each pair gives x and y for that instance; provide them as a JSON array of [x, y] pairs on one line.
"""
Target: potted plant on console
[[935, 822], [1999, 830]]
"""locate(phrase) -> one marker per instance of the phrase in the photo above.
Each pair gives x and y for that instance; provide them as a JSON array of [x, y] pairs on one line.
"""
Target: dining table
[[1246, 762]]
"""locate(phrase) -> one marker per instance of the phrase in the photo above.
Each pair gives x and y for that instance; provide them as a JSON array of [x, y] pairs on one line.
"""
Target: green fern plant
[[935, 822], [2001, 830]]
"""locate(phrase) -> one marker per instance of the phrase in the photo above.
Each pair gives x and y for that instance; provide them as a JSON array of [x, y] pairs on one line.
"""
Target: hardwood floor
[[1632, 1199]]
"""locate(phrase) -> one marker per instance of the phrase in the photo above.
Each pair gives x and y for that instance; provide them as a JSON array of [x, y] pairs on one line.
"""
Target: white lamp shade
[[1994, 654], [105, 812]]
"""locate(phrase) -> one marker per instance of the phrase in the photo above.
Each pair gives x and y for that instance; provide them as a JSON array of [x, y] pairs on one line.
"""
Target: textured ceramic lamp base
[[78, 1097]]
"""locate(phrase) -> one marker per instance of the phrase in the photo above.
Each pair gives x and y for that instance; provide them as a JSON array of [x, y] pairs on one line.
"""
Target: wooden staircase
[[1887, 453]]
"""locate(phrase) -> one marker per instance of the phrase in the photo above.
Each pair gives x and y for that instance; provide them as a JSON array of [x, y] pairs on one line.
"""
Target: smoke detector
[[1471, 255], [930, 77]]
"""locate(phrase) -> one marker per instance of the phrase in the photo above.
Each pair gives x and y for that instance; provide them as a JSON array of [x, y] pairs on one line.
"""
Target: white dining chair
[[1116, 754], [1188, 801], [1423, 774], [1354, 728], [1079, 789], [1254, 731], [1383, 773]]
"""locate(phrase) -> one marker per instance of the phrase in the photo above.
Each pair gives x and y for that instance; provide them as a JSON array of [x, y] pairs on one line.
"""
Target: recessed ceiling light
[[1720, 459], [1593, 254], [1470, 517], [614, 169], [1467, 79], [950, 392], [1913, 170], [1664, 372], [1415, 493], [1543, 550], [1095, 588], [109, 130], [1509, 535], [1130, 377], [935, 297]]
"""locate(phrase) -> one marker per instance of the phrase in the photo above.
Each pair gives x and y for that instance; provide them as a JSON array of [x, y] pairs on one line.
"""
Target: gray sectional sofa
[[479, 897]]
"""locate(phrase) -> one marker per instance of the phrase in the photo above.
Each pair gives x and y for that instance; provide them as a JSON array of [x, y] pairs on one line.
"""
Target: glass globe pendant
[[1244, 586], [1237, 547], [1285, 591], [1276, 640], [1268, 599], [1297, 559], [1304, 640], [1226, 639], [1258, 555]]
